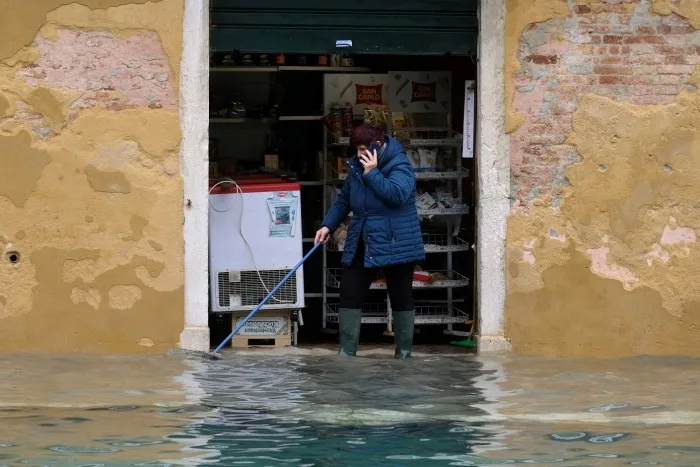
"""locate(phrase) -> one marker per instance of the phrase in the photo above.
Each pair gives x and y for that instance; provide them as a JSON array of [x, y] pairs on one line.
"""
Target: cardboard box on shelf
[[272, 161]]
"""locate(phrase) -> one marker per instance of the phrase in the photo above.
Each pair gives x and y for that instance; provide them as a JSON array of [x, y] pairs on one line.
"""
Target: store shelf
[[454, 211], [340, 142], [429, 137], [243, 69], [439, 243], [320, 295], [372, 313], [333, 276], [300, 118], [433, 243], [376, 313], [241, 120], [275, 69], [341, 69], [450, 175]]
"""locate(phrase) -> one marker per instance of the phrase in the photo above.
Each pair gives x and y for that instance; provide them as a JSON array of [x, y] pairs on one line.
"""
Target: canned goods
[[347, 121], [336, 122], [336, 60]]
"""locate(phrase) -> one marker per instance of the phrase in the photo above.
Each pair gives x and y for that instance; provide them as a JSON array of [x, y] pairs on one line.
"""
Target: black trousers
[[356, 280]]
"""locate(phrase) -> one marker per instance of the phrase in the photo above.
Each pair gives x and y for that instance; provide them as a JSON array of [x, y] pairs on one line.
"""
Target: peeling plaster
[[521, 13], [92, 191], [618, 255]]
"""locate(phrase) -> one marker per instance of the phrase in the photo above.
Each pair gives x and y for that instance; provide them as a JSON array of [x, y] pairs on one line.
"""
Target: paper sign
[[468, 130], [283, 211], [420, 91], [357, 90]]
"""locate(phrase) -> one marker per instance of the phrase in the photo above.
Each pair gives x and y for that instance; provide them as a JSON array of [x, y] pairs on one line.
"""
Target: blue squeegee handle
[[272, 292]]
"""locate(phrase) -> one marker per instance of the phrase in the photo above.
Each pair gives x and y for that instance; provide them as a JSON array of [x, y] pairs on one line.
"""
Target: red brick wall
[[615, 48]]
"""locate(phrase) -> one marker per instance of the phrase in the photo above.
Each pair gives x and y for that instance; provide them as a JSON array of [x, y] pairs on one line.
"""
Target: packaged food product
[[438, 276], [340, 235], [428, 159], [421, 276], [414, 158], [334, 123], [378, 118], [445, 198], [347, 121], [426, 201]]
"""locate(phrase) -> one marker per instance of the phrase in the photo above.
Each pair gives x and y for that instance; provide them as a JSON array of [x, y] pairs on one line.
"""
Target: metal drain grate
[[244, 288]]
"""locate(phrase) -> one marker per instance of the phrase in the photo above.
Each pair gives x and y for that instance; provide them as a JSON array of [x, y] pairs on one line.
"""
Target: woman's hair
[[366, 134]]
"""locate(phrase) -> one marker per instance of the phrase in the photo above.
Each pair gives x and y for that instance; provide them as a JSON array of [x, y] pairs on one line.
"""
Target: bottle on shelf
[[271, 158]]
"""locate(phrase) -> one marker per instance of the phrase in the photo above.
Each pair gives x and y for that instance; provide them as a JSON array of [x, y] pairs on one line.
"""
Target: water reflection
[[317, 409]]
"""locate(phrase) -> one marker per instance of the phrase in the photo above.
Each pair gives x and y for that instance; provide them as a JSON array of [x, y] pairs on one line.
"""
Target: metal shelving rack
[[427, 312]]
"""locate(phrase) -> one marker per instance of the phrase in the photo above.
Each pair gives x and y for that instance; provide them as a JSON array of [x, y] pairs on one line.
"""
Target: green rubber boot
[[403, 333], [349, 329]]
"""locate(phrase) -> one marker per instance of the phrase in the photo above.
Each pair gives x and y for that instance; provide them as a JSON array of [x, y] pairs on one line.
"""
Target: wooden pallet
[[271, 328]]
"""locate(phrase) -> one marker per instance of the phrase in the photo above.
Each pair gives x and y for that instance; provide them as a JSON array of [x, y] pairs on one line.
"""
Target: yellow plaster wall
[[90, 189], [612, 269]]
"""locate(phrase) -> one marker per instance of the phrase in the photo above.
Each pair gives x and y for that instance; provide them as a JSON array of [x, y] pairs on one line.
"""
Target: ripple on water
[[83, 449], [569, 436], [135, 444], [608, 438], [608, 407]]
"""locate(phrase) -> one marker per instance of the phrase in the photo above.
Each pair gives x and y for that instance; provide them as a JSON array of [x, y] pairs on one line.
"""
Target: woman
[[384, 232]]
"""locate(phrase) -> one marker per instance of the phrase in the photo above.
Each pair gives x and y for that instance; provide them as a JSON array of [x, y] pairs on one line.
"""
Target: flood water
[[305, 407]]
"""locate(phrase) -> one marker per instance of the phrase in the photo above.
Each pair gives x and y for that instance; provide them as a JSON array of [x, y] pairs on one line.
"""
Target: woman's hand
[[322, 235], [368, 160]]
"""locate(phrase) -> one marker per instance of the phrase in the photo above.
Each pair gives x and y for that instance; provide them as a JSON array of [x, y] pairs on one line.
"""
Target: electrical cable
[[240, 230]]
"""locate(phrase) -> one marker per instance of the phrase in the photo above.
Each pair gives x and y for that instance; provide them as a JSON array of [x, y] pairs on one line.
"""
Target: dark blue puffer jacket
[[383, 204]]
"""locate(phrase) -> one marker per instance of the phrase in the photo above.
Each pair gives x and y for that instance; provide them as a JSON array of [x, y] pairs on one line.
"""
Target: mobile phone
[[373, 147]]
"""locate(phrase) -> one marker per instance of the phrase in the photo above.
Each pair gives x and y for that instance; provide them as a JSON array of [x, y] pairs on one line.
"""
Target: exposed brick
[[642, 90], [643, 40], [542, 59], [548, 139], [680, 41], [612, 48], [609, 39], [676, 29], [676, 69], [670, 79], [645, 69], [534, 149], [613, 70], [648, 59], [610, 79], [645, 29], [667, 90], [611, 60], [675, 60], [670, 50]]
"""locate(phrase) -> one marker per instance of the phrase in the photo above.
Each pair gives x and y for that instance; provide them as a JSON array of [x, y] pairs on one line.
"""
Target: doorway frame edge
[[493, 179], [194, 169]]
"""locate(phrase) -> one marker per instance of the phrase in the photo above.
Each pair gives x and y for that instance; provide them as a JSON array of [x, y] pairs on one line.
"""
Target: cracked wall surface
[[90, 185], [604, 120]]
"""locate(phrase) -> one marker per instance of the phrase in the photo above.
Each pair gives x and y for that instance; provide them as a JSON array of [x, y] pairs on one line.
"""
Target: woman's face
[[362, 148]]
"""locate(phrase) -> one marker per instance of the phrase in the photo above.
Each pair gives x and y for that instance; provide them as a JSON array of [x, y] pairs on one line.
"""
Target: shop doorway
[[269, 114]]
